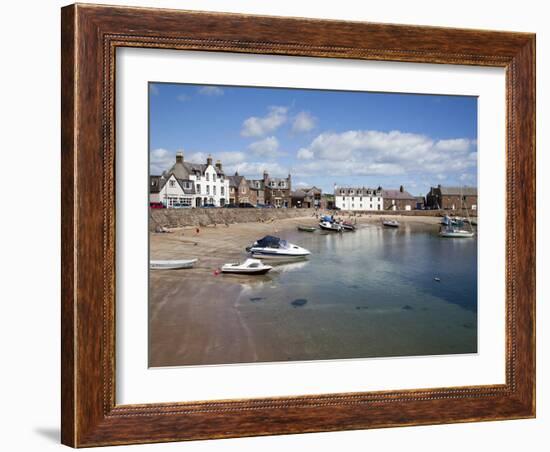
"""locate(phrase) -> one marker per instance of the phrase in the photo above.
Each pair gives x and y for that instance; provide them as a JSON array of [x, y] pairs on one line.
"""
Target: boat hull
[[330, 227], [171, 265], [244, 271], [258, 254], [457, 235]]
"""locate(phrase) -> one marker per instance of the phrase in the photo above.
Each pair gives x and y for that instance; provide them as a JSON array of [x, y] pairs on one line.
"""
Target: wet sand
[[199, 317]]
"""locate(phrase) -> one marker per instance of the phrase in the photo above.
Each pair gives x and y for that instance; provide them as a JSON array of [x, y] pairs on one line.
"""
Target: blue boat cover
[[327, 218], [269, 242]]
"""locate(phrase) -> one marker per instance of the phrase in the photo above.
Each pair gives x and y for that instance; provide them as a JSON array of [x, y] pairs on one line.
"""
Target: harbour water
[[375, 292]]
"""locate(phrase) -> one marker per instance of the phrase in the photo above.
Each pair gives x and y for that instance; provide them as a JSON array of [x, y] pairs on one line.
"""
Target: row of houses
[[187, 184], [446, 198]]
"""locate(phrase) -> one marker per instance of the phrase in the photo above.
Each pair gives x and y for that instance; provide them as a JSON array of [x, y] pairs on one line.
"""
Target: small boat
[[346, 226], [330, 226], [391, 223], [455, 232], [307, 228], [271, 247], [172, 265], [248, 267]]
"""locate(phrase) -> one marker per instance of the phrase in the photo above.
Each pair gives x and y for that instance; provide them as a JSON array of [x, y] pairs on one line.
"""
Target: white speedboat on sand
[[248, 267], [271, 247]]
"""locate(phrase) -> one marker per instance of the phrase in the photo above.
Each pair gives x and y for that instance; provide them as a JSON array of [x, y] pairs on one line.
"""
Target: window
[[243, 190], [207, 176], [222, 191], [172, 183], [208, 189], [214, 177], [214, 190], [198, 188]]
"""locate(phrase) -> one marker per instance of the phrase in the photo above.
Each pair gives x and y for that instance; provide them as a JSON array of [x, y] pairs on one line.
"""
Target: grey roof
[[182, 170], [235, 181], [357, 191], [187, 191], [397, 194], [460, 191], [252, 184]]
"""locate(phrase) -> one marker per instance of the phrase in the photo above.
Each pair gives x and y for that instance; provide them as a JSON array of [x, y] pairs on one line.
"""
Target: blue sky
[[320, 137]]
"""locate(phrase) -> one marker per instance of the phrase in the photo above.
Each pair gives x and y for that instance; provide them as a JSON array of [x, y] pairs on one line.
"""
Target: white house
[[358, 198], [199, 183]]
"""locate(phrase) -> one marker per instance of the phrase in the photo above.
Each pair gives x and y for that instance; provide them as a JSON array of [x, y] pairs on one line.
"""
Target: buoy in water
[[437, 279]]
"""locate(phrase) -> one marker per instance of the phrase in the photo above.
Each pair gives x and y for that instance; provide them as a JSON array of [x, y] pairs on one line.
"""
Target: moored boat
[[271, 247], [248, 267], [391, 223], [330, 226], [307, 228], [455, 232], [171, 264]]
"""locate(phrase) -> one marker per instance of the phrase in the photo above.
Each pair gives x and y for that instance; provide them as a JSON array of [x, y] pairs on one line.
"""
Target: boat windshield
[[271, 242]]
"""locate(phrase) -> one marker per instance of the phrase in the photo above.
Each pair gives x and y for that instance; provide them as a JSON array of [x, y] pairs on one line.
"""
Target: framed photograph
[[282, 225]]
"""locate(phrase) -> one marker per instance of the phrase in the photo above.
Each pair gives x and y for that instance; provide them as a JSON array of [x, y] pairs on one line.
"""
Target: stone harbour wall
[[176, 218]]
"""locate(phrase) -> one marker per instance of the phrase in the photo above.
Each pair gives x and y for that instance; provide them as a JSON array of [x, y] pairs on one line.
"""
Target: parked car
[[264, 206], [156, 205], [231, 206], [209, 206], [246, 205], [180, 205]]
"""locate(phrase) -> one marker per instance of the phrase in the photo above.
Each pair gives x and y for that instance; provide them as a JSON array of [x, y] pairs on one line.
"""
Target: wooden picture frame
[[90, 36]]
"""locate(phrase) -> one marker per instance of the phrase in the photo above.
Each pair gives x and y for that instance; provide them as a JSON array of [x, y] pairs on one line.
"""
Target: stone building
[[398, 199], [239, 190], [307, 198], [257, 192], [277, 190], [452, 198]]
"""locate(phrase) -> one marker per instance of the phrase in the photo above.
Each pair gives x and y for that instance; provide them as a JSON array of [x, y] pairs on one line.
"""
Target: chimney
[[219, 165], [265, 175], [179, 157], [209, 160], [401, 188]]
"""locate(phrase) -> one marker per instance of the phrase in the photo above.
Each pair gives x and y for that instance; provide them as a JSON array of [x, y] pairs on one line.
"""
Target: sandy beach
[[198, 316]]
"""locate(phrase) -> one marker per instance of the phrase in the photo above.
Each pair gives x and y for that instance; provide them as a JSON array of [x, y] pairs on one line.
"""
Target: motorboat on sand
[[248, 267], [271, 247]]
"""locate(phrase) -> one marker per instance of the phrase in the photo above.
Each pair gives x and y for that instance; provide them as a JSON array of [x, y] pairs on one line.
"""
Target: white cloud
[[268, 147], [210, 91], [305, 154], [231, 157], [160, 160], [372, 152], [254, 170], [257, 127], [183, 97], [302, 184], [303, 122]]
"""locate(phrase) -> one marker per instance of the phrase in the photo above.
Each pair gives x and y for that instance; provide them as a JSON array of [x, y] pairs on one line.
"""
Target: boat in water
[[455, 226], [455, 232], [248, 267], [330, 226], [391, 223], [271, 247], [171, 264], [307, 228]]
